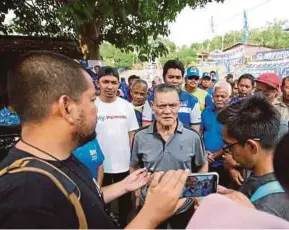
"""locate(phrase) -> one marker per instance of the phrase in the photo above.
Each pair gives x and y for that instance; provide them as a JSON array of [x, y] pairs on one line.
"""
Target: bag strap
[[64, 183], [269, 188]]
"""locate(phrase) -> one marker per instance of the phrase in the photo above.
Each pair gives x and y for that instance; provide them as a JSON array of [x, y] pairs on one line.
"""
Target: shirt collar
[[153, 128]]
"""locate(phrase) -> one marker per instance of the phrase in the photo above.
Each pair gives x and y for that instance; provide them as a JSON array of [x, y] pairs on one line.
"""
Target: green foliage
[[115, 57], [272, 36], [125, 24]]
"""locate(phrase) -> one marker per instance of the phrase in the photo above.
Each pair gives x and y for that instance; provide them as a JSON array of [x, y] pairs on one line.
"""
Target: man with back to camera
[[168, 145], [54, 95], [192, 80], [189, 113], [250, 132], [116, 124]]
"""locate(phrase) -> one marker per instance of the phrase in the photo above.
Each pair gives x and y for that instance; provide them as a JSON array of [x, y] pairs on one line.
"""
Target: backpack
[[269, 188], [59, 178]]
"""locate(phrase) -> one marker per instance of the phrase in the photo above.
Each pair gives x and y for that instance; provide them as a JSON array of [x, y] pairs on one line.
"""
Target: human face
[[166, 107], [269, 92], [86, 115], [174, 77], [245, 155], [108, 87], [206, 83], [193, 81], [96, 69], [221, 98], [139, 93], [285, 90], [235, 89], [245, 87]]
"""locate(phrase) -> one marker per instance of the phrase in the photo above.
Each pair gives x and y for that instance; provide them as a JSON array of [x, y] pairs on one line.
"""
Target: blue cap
[[193, 71], [206, 75]]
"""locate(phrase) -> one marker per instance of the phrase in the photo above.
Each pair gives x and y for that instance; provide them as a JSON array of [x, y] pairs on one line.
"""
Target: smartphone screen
[[201, 184]]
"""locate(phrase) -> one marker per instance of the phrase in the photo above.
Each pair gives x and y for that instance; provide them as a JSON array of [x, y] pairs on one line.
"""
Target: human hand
[[229, 161], [136, 180], [162, 198], [235, 196], [236, 175], [211, 157]]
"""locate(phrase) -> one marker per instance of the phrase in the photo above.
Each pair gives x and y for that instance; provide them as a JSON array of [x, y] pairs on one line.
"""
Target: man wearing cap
[[206, 83], [191, 86], [116, 123]]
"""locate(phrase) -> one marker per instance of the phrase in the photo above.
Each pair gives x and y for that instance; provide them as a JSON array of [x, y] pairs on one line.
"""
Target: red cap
[[270, 79]]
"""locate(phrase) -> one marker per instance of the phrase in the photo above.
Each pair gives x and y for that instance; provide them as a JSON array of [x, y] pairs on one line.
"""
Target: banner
[[236, 53], [273, 55]]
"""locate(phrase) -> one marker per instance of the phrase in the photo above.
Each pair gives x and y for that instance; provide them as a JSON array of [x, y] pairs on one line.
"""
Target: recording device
[[200, 184]]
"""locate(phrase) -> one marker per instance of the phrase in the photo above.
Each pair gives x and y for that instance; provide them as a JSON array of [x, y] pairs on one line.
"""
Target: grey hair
[[223, 85], [165, 88]]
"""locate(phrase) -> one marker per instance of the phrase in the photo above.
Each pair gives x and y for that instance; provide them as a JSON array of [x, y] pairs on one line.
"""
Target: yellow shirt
[[201, 95]]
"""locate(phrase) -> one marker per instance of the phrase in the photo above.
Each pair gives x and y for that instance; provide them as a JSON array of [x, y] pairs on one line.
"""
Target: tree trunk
[[89, 40]]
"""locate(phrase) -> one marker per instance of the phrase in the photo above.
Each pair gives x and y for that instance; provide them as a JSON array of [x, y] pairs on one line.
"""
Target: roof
[[20, 44], [241, 43]]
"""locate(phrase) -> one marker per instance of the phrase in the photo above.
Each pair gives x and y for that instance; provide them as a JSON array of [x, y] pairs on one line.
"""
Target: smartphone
[[201, 184]]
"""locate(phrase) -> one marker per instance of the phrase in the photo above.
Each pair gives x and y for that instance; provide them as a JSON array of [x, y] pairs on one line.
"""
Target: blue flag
[[246, 28]]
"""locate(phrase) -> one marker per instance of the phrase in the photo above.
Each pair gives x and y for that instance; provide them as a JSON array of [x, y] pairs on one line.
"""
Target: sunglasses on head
[[193, 77]]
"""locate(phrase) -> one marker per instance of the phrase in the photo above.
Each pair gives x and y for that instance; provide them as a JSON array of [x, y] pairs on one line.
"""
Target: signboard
[[233, 54], [273, 55]]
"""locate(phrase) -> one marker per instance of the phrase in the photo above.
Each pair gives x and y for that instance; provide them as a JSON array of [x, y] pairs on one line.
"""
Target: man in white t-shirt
[[115, 129]]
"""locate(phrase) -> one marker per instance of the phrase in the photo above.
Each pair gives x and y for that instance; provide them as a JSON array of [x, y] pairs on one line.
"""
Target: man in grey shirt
[[169, 145], [250, 132]]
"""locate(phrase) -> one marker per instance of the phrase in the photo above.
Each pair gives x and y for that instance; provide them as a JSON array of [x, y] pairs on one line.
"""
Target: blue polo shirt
[[189, 113], [212, 133], [90, 154]]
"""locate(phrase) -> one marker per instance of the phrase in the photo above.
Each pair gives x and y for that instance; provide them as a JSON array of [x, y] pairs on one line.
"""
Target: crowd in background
[[193, 121]]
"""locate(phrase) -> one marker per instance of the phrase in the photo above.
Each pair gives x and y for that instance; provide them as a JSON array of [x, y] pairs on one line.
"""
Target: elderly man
[[167, 144], [54, 97], [212, 130]]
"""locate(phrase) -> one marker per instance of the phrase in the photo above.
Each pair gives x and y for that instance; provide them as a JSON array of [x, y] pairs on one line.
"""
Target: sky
[[195, 25]]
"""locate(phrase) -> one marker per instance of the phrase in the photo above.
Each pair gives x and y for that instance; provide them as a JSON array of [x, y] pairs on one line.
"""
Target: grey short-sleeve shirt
[[182, 151]]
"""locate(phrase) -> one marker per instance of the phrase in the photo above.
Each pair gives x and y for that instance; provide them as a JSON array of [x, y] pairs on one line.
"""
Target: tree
[[125, 24]]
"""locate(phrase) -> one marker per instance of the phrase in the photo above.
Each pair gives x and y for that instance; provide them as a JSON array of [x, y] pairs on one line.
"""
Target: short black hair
[[164, 88], [229, 75], [108, 70], [249, 77], [173, 64], [284, 80], [213, 72], [133, 77], [251, 118], [38, 79], [280, 162]]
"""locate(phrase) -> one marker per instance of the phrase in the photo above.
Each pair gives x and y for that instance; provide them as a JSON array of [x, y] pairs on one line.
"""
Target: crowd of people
[[136, 144]]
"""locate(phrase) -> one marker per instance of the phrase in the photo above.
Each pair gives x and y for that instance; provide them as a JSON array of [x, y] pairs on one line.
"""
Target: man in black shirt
[[250, 132], [54, 98]]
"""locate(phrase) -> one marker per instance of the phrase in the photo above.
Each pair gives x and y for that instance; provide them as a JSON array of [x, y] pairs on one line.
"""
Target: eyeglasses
[[193, 78], [228, 147]]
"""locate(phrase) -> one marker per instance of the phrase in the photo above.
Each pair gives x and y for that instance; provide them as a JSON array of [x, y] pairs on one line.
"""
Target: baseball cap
[[206, 75], [107, 70], [192, 71], [270, 79]]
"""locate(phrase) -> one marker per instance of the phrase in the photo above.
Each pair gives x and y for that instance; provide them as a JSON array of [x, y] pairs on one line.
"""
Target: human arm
[[162, 200], [131, 183], [100, 174]]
